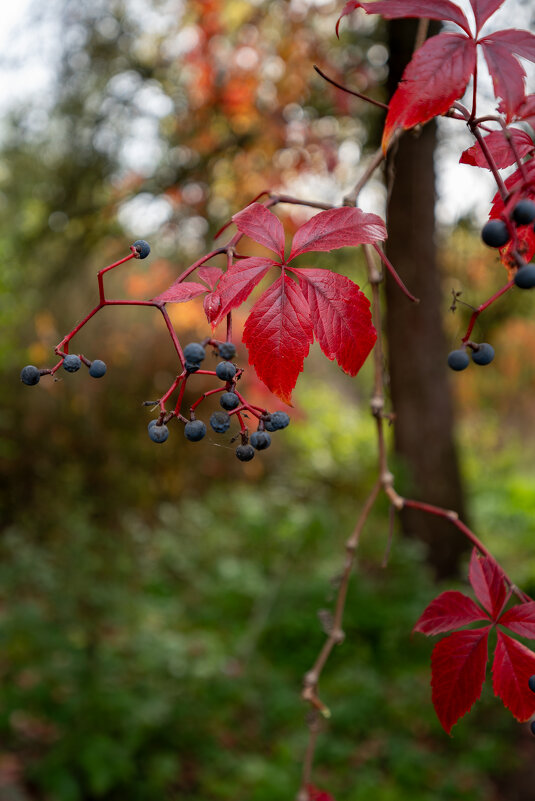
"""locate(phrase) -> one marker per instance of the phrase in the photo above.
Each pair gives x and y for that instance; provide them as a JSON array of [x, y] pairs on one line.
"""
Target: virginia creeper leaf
[[260, 224], [340, 315], [181, 292], [507, 74], [212, 305], [337, 228], [520, 619], [487, 580], [210, 275], [238, 282], [396, 9], [436, 76], [526, 110], [483, 9], [278, 334], [315, 794], [500, 149], [513, 665], [458, 665], [448, 611], [521, 43]]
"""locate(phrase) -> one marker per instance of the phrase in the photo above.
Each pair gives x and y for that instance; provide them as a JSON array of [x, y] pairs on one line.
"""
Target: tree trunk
[[419, 378]]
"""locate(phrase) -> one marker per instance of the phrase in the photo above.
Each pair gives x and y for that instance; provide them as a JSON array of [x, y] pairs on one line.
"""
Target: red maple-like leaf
[[458, 661], [281, 326], [440, 69], [318, 795], [483, 9], [488, 584], [507, 73], [340, 315], [458, 665], [180, 292], [282, 323], [278, 334], [526, 110], [498, 144], [448, 611], [337, 228], [397, 9], [210, 275], [260, 224], [437, 76], [239, 281], [513, 666]]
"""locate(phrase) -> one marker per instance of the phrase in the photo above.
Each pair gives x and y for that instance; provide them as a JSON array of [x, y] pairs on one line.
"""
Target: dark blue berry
[[30, 375], [98, 369], [229, 401], [194, 352], [227, 350], [531, 683], [484, 355], [524, 212], [245, 453], [220, 422], [225, 371], [276, 421], [192, 367], [194, 430], [260, 440], [142, 247], [495, 234], [71, 363], [458, 360], [157, 433], [525, 277]]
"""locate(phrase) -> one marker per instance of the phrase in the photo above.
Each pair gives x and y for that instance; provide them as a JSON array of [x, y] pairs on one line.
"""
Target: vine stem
[[485, 305], [350, 91]]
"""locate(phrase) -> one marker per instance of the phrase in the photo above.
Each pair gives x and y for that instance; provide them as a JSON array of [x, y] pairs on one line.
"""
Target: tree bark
[[419, 380]]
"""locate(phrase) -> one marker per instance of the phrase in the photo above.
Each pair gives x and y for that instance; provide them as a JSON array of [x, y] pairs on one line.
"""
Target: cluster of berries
[[31, 375], [497, 233], [231, 402], [481, 354]]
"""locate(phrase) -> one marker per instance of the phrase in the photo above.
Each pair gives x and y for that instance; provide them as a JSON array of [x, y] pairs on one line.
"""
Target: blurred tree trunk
[[419, 382]]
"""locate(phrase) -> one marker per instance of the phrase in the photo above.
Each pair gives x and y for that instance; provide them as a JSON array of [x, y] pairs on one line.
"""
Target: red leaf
[[448, 611], [181, 292], [520, 619], [436, 76], [341, 317], [210, 275], [458, 667], [526, 110], [337, 228], [521, 43], [500, 149], [238, 282], [260, 224], [278, 334], [489, 586], [506, 72], [212, 304], [318, 795], [513, 665], [396, 9], [483, 9]]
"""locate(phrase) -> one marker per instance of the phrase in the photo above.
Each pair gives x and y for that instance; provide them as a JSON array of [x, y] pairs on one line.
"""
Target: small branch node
[[377, 405]]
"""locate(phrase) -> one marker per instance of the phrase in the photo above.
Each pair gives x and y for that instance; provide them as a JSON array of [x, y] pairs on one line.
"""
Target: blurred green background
[[159, 606]]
